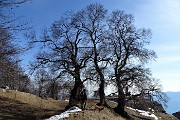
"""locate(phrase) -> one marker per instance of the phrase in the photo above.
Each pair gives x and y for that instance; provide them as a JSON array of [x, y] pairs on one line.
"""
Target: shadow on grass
[[15, 110]]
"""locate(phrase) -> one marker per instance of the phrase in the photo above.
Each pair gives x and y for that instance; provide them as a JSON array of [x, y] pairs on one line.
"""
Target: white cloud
[[173, 47], [170, 80], [168, 60]]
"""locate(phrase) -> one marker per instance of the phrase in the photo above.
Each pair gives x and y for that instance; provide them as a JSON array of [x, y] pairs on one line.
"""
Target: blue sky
[[161, 16]]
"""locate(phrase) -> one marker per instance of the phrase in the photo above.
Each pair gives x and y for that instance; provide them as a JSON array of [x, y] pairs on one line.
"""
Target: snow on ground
[[145, 113], [64, 114], [112, 101], [66, 100]]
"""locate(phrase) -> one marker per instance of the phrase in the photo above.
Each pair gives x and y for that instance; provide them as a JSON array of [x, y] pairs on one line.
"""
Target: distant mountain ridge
[[174, 102], [177, 114]]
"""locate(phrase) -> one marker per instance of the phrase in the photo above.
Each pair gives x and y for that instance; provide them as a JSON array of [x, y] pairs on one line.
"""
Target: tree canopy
[[110, 47]]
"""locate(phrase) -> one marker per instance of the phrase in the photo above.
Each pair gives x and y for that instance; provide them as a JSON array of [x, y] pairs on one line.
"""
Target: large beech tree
[[92, 23], [129, 55], [65, 52], [89, 41]]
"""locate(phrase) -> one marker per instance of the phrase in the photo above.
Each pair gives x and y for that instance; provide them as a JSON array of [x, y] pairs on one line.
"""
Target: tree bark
[[121, 101], [74, 99], [102, 101], [121, 104]]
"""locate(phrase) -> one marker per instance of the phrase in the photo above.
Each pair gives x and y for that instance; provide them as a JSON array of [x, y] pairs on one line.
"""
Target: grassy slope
[[108, 114], [24, 106]]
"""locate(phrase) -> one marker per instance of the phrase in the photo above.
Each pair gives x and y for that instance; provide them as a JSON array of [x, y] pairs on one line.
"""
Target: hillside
[[24, 106], [108, 114], [177, 114]]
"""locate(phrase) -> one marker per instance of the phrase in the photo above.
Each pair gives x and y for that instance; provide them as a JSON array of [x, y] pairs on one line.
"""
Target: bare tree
[[11, 3], [53, 88], [129, 55], [92, 23], [42, 78], [89, 42], [9, 48], [65, 52]]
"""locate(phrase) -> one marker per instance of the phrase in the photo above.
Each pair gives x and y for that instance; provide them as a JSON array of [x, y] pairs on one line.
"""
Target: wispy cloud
[[168, 59], [169, 80], [173, 47]]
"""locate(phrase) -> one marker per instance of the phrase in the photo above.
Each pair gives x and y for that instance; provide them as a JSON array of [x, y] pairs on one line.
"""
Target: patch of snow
[[64, 114], [131, 108], [147, 114], [112, 101], [3, 90], [151, 110], [66, 100], [144, 113]]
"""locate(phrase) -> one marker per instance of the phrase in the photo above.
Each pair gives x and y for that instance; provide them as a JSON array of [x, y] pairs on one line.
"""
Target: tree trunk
[[102, 101], [74, 99], [102, 81], [121, 102]]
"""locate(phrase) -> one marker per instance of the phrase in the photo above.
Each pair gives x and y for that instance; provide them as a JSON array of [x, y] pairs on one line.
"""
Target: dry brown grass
[[15, 105], [105, 114], [108, 114], [23, 106], [91, 113], [31, 99]]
